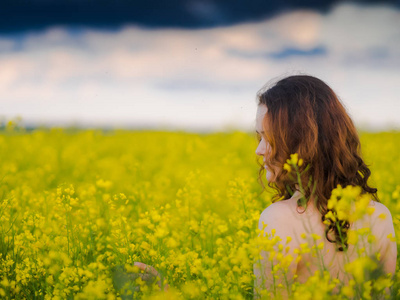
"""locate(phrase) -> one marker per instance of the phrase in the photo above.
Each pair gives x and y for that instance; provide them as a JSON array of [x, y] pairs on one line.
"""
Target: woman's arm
[[275, 272], [383, 230]]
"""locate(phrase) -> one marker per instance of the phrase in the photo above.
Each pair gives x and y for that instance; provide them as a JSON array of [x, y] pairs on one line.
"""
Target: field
[[79, 207]]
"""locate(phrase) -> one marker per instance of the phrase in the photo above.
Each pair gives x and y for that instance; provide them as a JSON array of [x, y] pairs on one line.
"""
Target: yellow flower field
[[79, 207]]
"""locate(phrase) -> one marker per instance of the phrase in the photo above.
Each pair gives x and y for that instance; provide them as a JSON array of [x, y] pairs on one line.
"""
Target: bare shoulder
[[276, 209], [275, 214], [380, 210], [383, 229], [380, 220]]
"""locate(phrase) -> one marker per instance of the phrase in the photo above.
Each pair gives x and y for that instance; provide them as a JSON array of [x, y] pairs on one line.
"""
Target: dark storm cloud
[[22, 15]]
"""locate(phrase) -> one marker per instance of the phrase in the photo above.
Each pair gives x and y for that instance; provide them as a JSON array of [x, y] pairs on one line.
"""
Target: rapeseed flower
[[75, 204]]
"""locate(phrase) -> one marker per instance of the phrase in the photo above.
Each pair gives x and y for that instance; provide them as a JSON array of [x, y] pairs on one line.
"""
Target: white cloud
[[6, 44], [201, 78]]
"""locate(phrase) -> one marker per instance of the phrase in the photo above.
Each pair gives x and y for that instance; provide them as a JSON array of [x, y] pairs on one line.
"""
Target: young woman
[[301, 114]]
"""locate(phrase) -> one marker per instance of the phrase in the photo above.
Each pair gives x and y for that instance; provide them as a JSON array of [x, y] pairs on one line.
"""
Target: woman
[[301, 114]]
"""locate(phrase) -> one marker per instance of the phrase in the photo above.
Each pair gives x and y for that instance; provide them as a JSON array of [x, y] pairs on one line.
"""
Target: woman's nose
[[260, 149]]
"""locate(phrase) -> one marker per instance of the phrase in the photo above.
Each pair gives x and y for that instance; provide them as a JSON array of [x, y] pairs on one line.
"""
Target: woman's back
[[306, 227]]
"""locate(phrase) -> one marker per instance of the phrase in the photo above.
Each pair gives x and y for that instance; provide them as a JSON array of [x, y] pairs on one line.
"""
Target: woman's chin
[[269, 175]]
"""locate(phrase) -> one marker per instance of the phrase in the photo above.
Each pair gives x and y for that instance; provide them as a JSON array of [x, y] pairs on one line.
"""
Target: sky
[[191, 65]]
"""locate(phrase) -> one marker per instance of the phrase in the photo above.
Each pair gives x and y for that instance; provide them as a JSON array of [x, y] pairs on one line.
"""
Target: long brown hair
[[305, 116]]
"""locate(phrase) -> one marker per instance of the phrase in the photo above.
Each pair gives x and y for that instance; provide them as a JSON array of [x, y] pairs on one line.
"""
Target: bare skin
[[287, 221], [149, 273]]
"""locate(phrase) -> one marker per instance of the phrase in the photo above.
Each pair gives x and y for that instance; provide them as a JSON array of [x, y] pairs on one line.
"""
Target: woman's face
[[264, 148]]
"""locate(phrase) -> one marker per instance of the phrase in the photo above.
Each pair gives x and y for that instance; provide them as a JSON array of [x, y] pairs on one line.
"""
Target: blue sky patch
[[289, 52]]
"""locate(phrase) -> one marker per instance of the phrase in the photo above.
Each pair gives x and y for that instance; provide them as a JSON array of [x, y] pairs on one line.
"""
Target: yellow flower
[[320, 246], [294, 158], [330, 216], [367, 290], [287, 167], [382, 283], [315, 236], [370, 210], [382, 216], [352, 237], [5, 282], [359, 267], [348, 290], [145, 246], [391, 237]]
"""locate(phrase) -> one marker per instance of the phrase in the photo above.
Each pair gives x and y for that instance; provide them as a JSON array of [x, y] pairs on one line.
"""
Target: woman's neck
[[297, 195]]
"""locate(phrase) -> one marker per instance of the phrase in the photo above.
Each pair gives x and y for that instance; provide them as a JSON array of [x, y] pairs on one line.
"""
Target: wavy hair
[[305, 116]]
